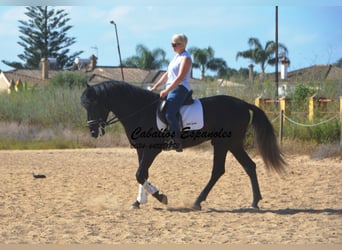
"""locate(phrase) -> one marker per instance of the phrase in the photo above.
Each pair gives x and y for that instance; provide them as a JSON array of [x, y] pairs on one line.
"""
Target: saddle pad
[[192, 116]]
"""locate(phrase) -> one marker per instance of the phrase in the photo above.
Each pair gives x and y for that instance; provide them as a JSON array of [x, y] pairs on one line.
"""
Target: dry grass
[[21, 136], [328, 151]]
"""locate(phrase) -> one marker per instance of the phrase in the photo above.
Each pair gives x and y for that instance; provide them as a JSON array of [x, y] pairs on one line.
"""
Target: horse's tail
[[266, 141]]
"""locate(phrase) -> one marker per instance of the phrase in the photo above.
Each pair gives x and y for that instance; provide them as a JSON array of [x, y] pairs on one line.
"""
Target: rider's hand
[[163, 93], [153, 88]]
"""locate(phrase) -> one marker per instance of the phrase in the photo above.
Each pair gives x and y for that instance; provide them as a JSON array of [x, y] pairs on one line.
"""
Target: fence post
[[281, 127], [284, 105], [311, 107], [257, 101]]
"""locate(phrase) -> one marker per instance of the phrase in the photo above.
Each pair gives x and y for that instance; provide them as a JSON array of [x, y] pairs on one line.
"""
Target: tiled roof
[[312, 73], [99, 74], [32, 77], [317, 72], [335, 73], [131, 75]]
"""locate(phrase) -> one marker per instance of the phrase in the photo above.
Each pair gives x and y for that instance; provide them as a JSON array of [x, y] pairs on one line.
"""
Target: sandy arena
[[87, 194]]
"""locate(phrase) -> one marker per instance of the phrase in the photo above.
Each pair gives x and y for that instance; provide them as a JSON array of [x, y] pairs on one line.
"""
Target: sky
[[311, 30]]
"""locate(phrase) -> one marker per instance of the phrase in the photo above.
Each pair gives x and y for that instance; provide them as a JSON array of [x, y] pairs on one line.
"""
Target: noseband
[[101, 124]]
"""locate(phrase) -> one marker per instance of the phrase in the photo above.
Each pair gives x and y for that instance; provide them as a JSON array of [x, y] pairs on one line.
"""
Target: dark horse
[[226, 120]]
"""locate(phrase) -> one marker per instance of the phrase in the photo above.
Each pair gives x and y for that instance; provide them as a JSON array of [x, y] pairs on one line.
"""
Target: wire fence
[[279, 110], [310, 125], [282, 117]]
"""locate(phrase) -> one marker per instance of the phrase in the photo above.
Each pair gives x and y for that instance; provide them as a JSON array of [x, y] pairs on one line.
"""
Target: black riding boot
[[177, 143]]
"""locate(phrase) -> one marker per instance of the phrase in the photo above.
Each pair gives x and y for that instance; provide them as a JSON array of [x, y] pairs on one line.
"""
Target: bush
[[69, 79], [302, 92], [326, 133]]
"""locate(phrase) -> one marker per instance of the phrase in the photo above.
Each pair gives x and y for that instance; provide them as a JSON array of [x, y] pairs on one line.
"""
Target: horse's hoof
[[164, 199], [135, 205], [255, 206], [196, 207]]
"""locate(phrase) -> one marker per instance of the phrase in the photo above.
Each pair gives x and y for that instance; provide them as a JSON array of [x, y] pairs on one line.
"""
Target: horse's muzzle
[[97, 132], [96, 129], [94, 133]]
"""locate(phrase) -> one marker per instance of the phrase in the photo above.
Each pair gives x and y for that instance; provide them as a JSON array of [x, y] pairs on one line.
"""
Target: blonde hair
[[180, 38]]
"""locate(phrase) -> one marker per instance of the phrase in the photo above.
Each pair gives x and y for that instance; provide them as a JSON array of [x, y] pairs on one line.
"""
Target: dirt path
[[87, 194]]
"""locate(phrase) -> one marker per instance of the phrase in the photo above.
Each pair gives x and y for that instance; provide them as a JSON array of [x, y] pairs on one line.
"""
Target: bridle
[[102, 124]]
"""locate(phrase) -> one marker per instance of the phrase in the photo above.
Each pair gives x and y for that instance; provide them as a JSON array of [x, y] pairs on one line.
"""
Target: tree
[[338, 62], [44, 35], [204, 59], [146, 59], [260, 55]]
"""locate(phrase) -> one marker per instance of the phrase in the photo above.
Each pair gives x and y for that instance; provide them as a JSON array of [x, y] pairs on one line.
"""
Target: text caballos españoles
[[186, 133]]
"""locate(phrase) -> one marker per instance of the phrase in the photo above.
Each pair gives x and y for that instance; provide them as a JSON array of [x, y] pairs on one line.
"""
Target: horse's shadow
[[286, 211]]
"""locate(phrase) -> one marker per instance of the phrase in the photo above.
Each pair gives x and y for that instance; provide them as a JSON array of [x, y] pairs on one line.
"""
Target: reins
[[115, 119], [112, 120]]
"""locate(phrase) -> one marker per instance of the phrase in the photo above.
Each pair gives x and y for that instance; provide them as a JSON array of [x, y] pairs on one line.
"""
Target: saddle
[[161, 110]]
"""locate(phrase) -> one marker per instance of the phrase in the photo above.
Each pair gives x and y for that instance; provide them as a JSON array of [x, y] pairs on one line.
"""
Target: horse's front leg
[[146, 157], [142, 197], [144, 190]]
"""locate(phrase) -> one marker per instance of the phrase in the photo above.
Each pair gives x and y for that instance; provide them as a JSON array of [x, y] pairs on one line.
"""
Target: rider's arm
[[183, 70], [161, 81]]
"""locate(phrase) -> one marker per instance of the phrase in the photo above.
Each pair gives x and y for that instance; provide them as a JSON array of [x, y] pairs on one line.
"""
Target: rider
[[177, 85]]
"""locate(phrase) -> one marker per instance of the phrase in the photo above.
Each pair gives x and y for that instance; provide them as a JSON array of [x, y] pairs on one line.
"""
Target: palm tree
[[204, 59], [260, 55], [146, 59]]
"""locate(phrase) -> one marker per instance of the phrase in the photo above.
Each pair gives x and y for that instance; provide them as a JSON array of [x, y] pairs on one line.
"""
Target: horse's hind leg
[[250, 168], [220, 153]]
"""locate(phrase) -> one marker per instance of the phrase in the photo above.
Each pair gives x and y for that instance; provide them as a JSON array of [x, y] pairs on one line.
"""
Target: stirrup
[[173, 145], [177, 145]]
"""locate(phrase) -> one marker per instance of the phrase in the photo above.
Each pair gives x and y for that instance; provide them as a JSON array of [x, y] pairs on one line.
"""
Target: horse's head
[[97, 112]]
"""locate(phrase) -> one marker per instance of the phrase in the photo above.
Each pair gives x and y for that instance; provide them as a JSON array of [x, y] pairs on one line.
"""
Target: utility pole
[[276, 52], [117, 41]]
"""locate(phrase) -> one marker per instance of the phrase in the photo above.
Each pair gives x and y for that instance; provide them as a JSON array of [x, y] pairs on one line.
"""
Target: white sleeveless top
[[173, 70]]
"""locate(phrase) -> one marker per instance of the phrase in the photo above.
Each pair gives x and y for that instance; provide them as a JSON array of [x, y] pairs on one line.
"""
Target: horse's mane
[[128, 90]]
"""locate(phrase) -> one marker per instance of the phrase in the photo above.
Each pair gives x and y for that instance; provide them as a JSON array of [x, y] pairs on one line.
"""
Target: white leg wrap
[[149, 187], [142, 195]]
